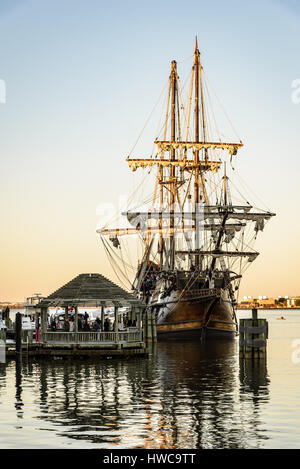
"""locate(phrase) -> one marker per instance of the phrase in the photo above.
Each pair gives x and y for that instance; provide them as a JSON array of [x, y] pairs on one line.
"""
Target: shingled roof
[[91, 290]]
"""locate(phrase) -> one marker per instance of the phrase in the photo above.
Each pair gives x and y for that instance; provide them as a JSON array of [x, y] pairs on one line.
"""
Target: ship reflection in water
[[185, 395]]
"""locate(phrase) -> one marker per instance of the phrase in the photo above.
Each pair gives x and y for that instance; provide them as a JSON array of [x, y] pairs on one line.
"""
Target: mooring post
[[140, 323], [253, 336], [18, 335], [44, 322], [149, 324], [2, 346], [154, 332], [144, 324]]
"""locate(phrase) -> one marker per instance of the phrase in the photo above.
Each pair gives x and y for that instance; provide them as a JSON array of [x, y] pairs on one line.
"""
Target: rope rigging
[[176, 187]]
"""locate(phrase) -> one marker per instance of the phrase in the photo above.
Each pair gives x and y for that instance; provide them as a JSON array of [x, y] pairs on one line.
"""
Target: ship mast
[[198, 173], [172, 157], [194, 156], [168, 169], [196, 153]]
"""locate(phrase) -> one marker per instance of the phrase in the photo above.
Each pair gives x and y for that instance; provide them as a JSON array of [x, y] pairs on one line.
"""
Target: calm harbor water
[[184, 395]]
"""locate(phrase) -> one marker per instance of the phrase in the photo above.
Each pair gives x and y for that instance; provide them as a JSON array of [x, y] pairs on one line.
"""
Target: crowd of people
[[85, 324]]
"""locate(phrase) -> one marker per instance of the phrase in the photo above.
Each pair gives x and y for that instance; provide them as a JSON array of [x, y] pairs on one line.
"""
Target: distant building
[[281, 302], [266, 303], [248, 303], [293, 302], [261, 302]]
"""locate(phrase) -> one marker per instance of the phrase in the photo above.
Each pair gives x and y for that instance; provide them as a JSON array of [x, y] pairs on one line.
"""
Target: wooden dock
[[81, 344], [87, 290]]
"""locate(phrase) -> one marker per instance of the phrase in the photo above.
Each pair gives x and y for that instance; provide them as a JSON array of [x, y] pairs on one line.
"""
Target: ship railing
[[204, 291]]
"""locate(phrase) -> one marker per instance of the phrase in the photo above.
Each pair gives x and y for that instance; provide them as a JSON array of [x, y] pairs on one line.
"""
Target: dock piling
[[2, 346], [154, 331], [18, 335], [150, 325], [253, 337]]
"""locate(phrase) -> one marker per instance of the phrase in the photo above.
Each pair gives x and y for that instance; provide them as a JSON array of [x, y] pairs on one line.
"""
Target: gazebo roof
[[91, 290]]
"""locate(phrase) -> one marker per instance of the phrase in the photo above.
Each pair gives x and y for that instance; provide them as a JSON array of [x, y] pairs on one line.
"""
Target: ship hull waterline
[[179, 317]]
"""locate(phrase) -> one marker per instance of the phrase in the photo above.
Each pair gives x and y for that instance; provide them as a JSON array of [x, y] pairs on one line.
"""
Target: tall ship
[[196, 229]]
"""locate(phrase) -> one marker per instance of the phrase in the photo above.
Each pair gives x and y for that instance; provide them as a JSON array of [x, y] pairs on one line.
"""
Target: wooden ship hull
[[190, 314]]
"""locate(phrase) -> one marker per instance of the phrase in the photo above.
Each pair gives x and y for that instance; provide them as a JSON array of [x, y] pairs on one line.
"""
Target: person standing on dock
[[52, 323], [97, 325], [67, 325], [106, 325], [71, 324], [85, 322]]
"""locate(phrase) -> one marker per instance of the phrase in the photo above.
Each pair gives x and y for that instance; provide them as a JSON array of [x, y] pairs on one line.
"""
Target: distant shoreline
[[274, 309], [19, 306]]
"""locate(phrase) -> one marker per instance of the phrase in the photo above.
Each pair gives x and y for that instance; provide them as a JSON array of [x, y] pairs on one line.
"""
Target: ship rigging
[[198, 232]]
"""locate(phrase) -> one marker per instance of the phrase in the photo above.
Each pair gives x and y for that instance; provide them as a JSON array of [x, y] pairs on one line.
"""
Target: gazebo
[[92, 290]]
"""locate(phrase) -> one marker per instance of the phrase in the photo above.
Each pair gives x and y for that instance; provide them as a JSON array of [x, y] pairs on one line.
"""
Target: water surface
[[184, 395]]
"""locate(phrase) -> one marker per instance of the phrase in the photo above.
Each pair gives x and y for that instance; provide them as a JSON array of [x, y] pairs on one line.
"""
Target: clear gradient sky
[[81, 77]]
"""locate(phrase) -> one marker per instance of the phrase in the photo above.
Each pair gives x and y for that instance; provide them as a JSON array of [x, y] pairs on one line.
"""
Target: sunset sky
[[81, 78]]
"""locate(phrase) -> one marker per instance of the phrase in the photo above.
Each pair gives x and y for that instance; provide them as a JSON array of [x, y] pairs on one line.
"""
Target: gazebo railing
[[92, 337]]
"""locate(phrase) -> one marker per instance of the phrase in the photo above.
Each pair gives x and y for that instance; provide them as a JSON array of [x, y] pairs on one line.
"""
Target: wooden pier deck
[[81, 343], [119, 339]]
